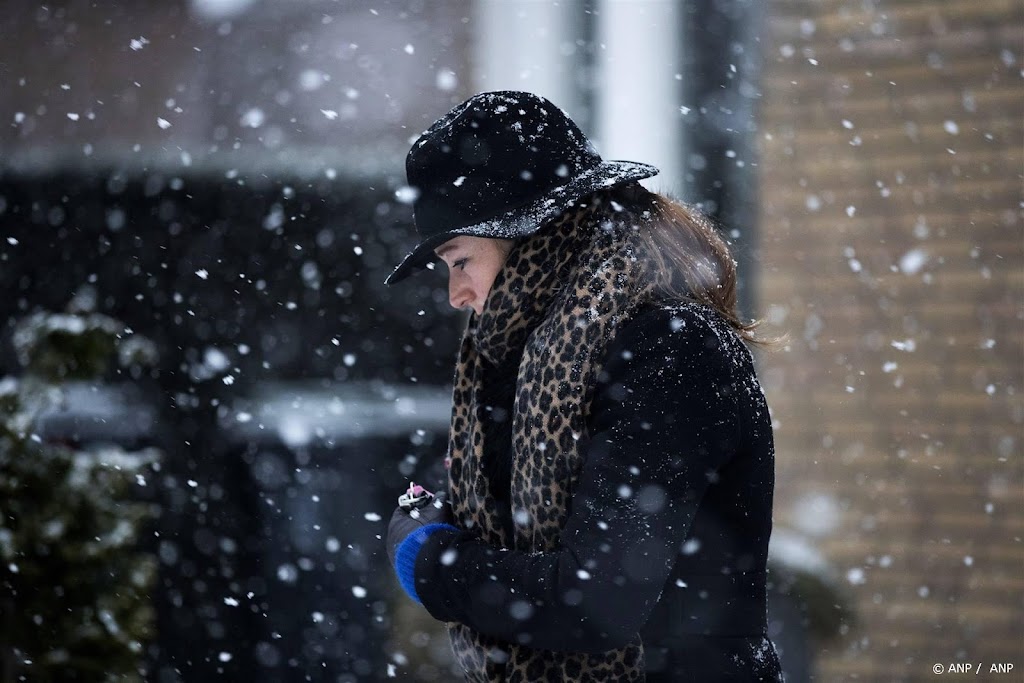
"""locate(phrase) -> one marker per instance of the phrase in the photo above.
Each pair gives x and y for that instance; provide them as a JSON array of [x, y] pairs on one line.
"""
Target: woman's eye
[[461, 263]]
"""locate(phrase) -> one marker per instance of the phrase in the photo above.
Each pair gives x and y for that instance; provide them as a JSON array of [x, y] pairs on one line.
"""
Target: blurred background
[[200, 199]]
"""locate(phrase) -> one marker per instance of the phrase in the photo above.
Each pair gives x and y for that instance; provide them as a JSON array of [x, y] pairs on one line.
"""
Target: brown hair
[[690, 258]]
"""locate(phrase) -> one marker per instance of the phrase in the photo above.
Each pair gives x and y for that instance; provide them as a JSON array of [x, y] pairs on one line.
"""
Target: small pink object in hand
[[415, 497]]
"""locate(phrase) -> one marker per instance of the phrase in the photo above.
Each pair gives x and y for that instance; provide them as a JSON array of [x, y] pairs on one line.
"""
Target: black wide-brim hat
[[501, 165]]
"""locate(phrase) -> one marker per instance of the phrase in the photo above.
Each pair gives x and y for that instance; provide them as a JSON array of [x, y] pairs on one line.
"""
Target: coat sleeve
[[663, 422]]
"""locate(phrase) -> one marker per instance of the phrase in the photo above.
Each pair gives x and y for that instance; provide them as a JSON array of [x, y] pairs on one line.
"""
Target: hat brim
[[529, 218]]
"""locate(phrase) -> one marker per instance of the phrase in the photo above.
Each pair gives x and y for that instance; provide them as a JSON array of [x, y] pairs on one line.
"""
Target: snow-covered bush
[[74, 588]]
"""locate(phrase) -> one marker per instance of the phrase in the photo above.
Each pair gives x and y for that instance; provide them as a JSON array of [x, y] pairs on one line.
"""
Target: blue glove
[[411, 525]]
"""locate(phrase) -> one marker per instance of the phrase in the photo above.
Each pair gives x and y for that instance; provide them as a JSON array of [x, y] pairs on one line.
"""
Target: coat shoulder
[[681, 329]]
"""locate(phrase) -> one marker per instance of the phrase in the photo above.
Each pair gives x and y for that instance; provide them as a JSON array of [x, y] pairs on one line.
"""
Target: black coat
[[669, 524]]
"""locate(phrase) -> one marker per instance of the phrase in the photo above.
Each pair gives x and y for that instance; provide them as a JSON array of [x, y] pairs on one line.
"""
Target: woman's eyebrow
[[445, 249]]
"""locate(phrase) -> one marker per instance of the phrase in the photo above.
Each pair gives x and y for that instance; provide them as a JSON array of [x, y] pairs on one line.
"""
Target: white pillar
[[639, 71], [527, 45]]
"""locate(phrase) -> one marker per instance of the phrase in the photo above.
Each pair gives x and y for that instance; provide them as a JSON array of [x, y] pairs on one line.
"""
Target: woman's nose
[[459, 293]]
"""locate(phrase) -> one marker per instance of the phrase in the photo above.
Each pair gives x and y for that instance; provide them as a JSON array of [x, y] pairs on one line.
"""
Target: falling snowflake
[[253, 118], [912, 261], [856, 576], [446, 80], [407, 194]]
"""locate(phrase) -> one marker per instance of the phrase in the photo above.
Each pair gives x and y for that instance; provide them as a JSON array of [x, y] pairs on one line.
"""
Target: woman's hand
[[406, 521]]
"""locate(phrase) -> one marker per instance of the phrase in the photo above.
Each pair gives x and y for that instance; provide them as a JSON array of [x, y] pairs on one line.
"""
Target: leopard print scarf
[[558, 301]]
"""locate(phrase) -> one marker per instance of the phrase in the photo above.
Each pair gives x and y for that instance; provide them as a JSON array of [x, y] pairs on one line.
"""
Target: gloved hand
[[405, 521]]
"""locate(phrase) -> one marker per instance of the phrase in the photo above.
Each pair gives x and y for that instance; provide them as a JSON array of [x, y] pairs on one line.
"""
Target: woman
[[611, 460]]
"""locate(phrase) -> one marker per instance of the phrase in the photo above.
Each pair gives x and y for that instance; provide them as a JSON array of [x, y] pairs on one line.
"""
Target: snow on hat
[[501, 165]]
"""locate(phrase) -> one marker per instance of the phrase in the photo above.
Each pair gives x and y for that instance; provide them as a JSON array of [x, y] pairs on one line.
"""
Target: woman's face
[[473, 263]]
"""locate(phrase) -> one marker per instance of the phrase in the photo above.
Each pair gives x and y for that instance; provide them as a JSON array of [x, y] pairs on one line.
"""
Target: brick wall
[[892, 251]]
